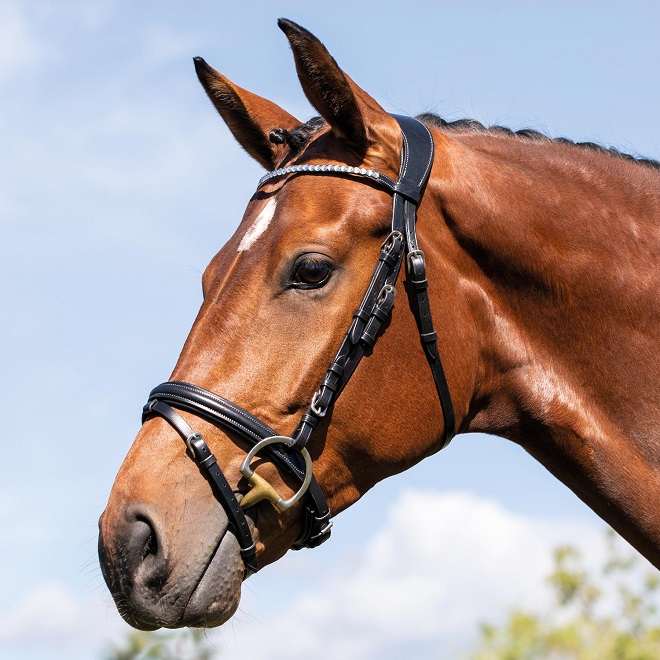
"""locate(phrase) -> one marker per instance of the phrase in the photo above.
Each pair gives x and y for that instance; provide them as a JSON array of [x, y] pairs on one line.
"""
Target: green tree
[[611, 615], [187, 644]]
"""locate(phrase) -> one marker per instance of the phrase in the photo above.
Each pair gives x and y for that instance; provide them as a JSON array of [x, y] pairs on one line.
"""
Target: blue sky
[[120, 182]]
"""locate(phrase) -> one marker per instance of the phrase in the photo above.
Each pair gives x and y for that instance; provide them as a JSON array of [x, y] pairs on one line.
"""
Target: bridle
[[290, 453]]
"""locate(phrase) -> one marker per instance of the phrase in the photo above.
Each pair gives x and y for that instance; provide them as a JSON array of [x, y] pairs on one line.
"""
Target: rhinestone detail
[[337, 169]]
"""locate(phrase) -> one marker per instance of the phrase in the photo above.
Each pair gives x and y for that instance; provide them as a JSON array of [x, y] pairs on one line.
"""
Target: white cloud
[[440, 565], [118, 157], [90, 15], [52, 615], [19, 49]]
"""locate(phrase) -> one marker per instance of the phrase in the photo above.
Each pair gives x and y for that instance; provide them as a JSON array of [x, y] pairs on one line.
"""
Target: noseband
[[290, 453]]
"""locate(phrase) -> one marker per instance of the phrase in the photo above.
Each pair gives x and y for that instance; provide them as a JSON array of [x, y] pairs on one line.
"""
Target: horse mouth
[[215, 597]]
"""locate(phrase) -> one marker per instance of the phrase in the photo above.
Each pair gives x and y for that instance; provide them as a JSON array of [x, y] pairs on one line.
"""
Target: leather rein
[[290, 453]]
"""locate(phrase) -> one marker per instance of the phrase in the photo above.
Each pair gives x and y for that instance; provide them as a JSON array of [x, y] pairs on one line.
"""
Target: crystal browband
[[411, 192], [329, 169]]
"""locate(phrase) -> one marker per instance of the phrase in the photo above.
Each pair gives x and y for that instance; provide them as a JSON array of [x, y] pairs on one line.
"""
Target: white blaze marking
[[259, 226]]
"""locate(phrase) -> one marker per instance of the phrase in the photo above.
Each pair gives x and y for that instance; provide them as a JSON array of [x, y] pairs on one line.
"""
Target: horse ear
[[249, 117], [353, 115]]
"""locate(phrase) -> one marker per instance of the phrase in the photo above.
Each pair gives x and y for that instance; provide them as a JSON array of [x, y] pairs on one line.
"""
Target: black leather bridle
[[289, 453]]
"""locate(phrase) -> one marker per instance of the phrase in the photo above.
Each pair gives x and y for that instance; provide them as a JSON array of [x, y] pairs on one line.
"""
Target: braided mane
[[474, 126]]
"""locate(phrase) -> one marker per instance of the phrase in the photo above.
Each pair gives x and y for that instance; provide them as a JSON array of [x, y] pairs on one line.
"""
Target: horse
[[538, 259]]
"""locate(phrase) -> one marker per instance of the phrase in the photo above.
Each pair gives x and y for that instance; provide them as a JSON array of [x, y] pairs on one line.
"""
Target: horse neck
[[553, 255]]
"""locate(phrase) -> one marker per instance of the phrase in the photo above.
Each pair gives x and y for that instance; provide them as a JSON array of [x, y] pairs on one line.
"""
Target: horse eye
[[309, 273]]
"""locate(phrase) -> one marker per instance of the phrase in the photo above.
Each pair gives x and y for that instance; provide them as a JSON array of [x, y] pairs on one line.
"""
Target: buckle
[[411, 255], [325, 530], [388, 291], [394, 237], [190, 443], [385, 302], [314, 405]]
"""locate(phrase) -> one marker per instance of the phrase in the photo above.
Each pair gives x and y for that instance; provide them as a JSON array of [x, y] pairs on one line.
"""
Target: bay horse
[[541, 260]]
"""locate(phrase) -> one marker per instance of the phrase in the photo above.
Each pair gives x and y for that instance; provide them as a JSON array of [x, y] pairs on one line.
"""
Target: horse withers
[[539, 256]]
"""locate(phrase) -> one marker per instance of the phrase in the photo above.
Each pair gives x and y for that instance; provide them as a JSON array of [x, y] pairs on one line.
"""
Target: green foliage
[[188, 644], [610, 616]]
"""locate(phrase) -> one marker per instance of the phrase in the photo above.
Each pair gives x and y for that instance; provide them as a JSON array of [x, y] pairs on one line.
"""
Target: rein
[[290, 453]]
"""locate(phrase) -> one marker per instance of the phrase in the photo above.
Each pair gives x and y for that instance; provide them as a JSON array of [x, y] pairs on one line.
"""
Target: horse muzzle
[[170, 575]]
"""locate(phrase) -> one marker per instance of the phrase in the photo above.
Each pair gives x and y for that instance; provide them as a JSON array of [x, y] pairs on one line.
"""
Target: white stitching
[[428, 165], [406, 153], [229, 404]]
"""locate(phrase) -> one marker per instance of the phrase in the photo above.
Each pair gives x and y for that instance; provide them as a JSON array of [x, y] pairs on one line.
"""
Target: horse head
[[278, 299], [542, 255]]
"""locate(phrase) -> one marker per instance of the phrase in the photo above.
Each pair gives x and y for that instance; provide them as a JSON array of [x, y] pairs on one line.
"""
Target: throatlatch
[[290, 453]]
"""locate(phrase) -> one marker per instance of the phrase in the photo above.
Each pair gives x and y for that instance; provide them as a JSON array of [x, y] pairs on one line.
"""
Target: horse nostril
[[150, 546], [143, 549], [133, 556]]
